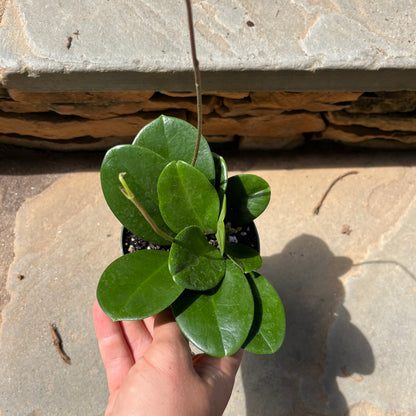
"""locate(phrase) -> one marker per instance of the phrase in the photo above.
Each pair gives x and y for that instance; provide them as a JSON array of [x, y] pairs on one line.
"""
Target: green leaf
[[174, 139], [143, 168], [248, 196], [221, 175], [193, 262], [268, 330], [220, 234], [187, 198], [137, 285], [248, 258], [217, 321]]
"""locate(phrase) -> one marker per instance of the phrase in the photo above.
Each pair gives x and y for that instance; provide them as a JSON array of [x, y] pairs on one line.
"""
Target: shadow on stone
[[20, 161], [300, 379]]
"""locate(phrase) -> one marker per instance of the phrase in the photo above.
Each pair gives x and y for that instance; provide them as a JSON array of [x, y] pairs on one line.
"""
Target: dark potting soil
[[246, 235], [133, 243]]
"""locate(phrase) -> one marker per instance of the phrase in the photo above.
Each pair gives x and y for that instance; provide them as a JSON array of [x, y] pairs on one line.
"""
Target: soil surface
[[246, 235]]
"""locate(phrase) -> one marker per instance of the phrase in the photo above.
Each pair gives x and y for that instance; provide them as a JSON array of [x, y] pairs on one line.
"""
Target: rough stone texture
[[105, 108], [97, 111], [59, 128], [279, 125], [310, 101], [289, 101], [44, 120], [385, 122], [293, 46], [349, 299], [10, 106], [64, 121], [89, 144], [384, 102], [368, 137], [84, 143]]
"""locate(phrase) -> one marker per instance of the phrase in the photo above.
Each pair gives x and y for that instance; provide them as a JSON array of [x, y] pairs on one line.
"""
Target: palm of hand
[[151, 371]]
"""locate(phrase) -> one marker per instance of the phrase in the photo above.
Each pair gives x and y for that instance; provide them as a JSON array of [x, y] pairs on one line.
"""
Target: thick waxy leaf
[[137, 285], [143, 168], [217, 321], [221, 175], [246, 257], [220, 234], [187, 198], [174, 139], [269, 325], [247, 197], [193, 262]]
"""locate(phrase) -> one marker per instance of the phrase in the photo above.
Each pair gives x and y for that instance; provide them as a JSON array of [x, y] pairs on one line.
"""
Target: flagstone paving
[[347, 278]]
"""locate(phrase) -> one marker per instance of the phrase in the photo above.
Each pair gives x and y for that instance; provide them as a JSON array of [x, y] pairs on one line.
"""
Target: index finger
[[114, 350]]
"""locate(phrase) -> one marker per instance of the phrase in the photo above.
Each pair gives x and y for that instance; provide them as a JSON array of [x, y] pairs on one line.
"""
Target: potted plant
[[169, 189]]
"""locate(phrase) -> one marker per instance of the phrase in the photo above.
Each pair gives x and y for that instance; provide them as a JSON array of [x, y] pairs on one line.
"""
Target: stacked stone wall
[[251, 120]]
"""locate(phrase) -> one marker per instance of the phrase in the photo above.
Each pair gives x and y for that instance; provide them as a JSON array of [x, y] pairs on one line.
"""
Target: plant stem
[[197, 78], [126, 191]]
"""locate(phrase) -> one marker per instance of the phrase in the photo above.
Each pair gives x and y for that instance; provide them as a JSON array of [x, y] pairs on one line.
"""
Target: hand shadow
[[300, 379]]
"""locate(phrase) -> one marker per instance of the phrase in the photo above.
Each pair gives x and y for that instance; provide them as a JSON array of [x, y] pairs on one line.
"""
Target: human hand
[[151, 371]]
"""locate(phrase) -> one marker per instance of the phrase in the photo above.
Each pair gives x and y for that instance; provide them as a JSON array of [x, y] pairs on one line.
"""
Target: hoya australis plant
[[219, 300], [168, 188]]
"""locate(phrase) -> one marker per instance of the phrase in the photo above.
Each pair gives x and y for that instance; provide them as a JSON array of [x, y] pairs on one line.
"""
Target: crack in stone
[[347, 41]]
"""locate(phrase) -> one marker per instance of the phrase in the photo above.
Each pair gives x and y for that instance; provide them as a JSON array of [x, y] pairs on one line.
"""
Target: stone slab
[[57, 255], [349, 299], [242, 45], [374, 332], [333, 292]]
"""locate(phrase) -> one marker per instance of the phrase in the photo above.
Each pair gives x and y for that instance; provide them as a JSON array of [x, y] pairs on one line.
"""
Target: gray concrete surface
[[349, 299], [267, 45]]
